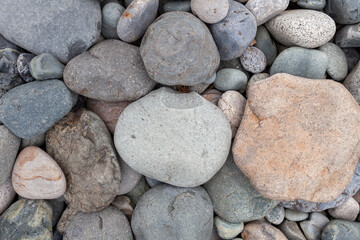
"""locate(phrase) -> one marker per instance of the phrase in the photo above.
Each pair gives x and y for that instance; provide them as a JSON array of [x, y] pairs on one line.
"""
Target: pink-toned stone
[[299, 138], [109, 112], [261, 230], [212, 95], [37, 176], [7, 194]]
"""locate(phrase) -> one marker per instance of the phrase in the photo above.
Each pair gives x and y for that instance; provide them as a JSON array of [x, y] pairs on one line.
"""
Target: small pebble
[[312, 228], [227, 230], [23, 67], [295, 216], [253, 60], [7, 195], [311, 4], [349, 210], [265, 43], [260, 230], [111, 13], [291, 230], [210, 11], [173, 6], [45, 66], [230, 79], [212, 95], [337, 63], [8, 60], [276, 215]]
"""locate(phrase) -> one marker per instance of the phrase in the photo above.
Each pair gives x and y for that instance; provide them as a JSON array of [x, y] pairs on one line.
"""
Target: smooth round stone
[[265, 10], [212, 95], [311, 4], [23, 68], [227, 230], [136, 19], [312, 228], [31, 109], [111, 13], [295, 216], [58, 206], [159, 152], [253, 60], [341, 230], [352, 83], [37, 176], [178, 49], [34, 141], [103, 73], [349, 210], [168, 212], [337, 63], [152, 182], [138, 191], [182, 6], [265, 43], [235, 32], [9, 146], [45, 66], [124, 204], [304, 28], [343, 11], [27, 219], [230, 79], [261, 230], [7, 194], [234, 198], [8, 81], [8, 60], [129, 178], [291, 230], [276, 215], [210, 11], [76, 28], [301, 62], [109, 223], [348, 36], [352, 57]]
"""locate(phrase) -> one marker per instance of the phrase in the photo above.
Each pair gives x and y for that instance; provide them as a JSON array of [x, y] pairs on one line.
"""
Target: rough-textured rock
[[110, 71], [343, 11], [212, 11], [9, 146], [352, 57], [129, 178], [276, 215], [82, 146], [23, 68], [64, 29], [341, 230], [311, 4], [352, 83], [348, 36], [265, 10], [176, 5], [65, 218], [8, 60], [4, 43], [138, 191], [312, 228], [31, 109], [304, 28], [295, 216], [235, 32], [9, 81], [27, 219], [37, 176], [108, 223], [45, 66], [337, 63], [167, 212], [227, 230], [291, 230], [253, 60], [111, 13], [165, 56], [124, 204], [230, 79], [34, 141], [212, 95], [349, 210], [234, 198], [161, 134], [293, 113], [261, 230], [7, 194], [265, 43]]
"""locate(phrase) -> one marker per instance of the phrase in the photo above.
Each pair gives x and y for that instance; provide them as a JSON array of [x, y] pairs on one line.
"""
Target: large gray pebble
[[178, 49], [166, 212], [234, 198], [110, 71], [302, 62], [235, 32], [31, 109], [253, 60], [344, 11], [161, 134], [341, 230], [311, 4], [265, 43], [230, 79], [45, 66], [111, 14], [348, 36], [136, 19], [266, 10], [337, 68], [62, 28]]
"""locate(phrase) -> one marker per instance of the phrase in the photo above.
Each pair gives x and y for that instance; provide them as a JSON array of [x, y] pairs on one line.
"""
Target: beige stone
[[299, 138], [260, 230], [37, 176]]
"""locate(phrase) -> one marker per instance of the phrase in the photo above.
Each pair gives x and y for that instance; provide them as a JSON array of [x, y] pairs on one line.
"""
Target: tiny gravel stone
[[344, 11], [276, 215], [341, 230], [210, 11], [348, 36], [265, 43], [172, 6], [138, 191], [111, 13], [7, 194], [312, 228], [311, 4], [266, 10], [337, 63], [23, 68], [295, 216], [349, 210], [45, 66], [227, 230], [253, 60], [230, 79], [291, 230], [261, 230]]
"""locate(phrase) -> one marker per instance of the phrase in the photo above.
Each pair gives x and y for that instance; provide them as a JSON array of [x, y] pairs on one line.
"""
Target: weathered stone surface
[[45, 66], [31, 109], [165, 56], [293, 113], [9, 81], [167, 212], [23, 67], [261, 230], [265, 43], [341, 230], [110, 71], [265, 10], [304, 28], [276, 215], [348, 36], [337, 63], [27, 219], [212, 11], [312, 228], [64, 29], [349, 210], [343, 11], [8, 59], [291, 230], [227, 230], [111, 13], [82, 146], [176, 133], [7, 194], [253, 60], [352, 83]]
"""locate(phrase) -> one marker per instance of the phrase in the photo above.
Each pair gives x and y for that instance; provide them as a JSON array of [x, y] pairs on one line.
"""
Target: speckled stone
[[172, 6], [210, 11], [45, 66], [7, 194], [337, 63], [312, 228], [23, 67], [291, 230], [253, 60], [230, 79], [348, 36], [343, 11], [295, 216], [349, 210], [227, 230], [111, 13], [266, 10], [341, 230], [276, 215], [311, 4], [265, 43]]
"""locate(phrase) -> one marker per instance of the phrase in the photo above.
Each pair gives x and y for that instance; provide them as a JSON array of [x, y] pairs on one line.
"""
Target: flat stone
[[103, 73], [341, 230], [276, 215], [311, 4], [291, 230], [349, 210], [27, 219], [138, 191], [167, 60], [81, 144], [295, 216], [124, 204], [129, 178], [109, 223], [266, 44], [7, 195], [111, 13], [31, 109], [212, 95], [34, 141], [301, 62], [230, 79], [76, 27], [352, 83], [293, 113], [304, 28], [265, 10], [168, 212], [343, 11], [234, 198], [261, 230], [352, 57], [191, 116], [348, 36], [8, 60], [37, 176], [172, 6], [253, 60], [136, 19], [312, 228], [227, 230], [337, 63], [23, 68], [8, 81], [235, 32], [45, 66], [212, 11]]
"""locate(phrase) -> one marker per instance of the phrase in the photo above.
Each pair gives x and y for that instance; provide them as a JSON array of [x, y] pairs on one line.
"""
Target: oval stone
[[211, 11], [45, 66], [338, 67], [111, 13], [230, 79], [341, 230], [253, 60], [311, 4]]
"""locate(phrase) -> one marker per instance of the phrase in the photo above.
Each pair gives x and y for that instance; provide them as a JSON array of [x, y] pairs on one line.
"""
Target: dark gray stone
[[312, 4], [64, 29], [178, 49], [183, 6], [9, 81], [235, 32], [343, 11], [110, 71], [166, 212], [58, 206], [234, 198], [31, 109], [341, 230], [4, 43], [265, 43], [348, 36], [23, 67], [111, 14], [45, 66], [352, 57], [8, 59]]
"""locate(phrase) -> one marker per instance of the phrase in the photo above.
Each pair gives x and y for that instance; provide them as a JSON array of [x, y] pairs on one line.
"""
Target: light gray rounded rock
[[348, 36], [230, 79], [266, 10], [129, 178], [167, 212], [176, 133], [265, 43], [311, 4], [172, 6], [227, 230], [210, 11], [111, 14], [253, 60], [276, 215], [337, 63], [349, 210], [295, 216], [343, 11], [312, 228], [7, 194], [45, 66]]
